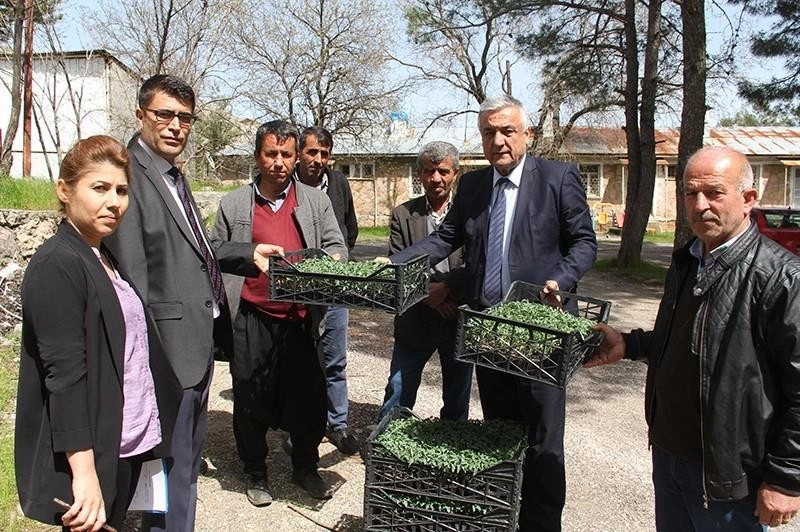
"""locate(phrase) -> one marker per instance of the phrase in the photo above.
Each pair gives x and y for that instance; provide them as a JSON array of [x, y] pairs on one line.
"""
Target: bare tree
[[6, 157], [321, 62], [466, 46], [180, 37], [580, 48]]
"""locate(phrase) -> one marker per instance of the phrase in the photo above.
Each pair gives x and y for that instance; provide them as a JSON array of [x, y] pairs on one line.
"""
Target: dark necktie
[[211, 262], [493, 279]]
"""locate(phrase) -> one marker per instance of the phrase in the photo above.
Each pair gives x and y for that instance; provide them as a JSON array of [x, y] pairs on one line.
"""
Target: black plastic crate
[[530, 351], [393, 287], [490, 499]]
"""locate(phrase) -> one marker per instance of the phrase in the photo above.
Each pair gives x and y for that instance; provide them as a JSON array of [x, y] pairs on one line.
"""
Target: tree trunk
[[6, 155], [694, 103], [631, 246]]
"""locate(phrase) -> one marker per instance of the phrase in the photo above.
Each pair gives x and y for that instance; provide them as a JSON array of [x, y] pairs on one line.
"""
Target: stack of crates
[[402, 497]]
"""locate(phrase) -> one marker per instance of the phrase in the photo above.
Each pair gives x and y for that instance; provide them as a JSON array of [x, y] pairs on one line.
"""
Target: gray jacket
[[313, 215]]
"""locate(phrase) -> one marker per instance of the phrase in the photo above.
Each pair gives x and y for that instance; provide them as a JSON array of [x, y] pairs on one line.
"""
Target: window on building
[[672, 171], [353, 170], [795, 188], [367, 170], [416, 182], [591, 177]]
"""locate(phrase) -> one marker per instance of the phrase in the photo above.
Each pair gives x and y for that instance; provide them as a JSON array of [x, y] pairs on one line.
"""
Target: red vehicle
[[780, 224]]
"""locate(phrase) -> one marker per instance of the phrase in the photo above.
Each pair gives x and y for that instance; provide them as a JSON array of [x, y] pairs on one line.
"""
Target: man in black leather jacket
[[723, 382]]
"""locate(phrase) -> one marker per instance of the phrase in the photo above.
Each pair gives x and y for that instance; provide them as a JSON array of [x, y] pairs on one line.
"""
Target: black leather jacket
[[746, 335]]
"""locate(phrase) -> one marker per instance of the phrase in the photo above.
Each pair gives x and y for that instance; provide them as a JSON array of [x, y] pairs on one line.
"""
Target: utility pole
[[27, 90]]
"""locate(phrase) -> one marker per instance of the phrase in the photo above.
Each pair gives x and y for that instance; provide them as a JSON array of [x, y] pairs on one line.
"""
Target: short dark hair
[[170, 85], [322, 135], [280, 128]]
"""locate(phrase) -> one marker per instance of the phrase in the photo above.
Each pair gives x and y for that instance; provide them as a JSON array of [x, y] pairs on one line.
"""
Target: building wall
[[775, 186], [72, 99]]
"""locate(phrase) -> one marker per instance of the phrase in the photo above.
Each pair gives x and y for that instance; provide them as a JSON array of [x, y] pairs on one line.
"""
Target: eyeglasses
[[166, 116]]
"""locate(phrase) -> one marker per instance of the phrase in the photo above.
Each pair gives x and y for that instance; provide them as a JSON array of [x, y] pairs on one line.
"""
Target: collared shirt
[[323, 183], [511, 191], [274, 204], [163, 166], [433, 220], [697, 250]]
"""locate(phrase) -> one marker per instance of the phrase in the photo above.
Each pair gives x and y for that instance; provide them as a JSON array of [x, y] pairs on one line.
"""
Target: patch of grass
[[10, 521], [373, 233], [660, 238], [645, 272], [200, 185], [27, 194]]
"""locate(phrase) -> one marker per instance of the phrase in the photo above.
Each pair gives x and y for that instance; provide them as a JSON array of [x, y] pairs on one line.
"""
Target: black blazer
[[71, 370], [420, 325], [551, 234], [156, 246]]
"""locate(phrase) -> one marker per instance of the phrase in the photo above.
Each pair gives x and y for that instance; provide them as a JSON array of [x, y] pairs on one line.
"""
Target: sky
[[722, 96]]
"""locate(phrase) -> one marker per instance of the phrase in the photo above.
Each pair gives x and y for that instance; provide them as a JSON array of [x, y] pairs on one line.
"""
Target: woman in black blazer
[[96, 394]]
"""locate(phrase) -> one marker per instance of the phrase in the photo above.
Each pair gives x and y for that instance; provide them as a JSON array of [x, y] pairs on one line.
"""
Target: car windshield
[[782, 219]]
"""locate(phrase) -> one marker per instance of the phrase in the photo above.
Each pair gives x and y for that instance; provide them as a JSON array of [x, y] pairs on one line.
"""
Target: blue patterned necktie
[[211, 262], [493, 279]]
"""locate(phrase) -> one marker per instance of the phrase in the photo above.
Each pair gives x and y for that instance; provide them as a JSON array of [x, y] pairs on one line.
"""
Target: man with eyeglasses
[[164, 248]]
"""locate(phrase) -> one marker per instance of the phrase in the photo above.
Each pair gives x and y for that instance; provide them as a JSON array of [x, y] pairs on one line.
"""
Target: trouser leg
[[301, 393], [333, 346], [541, 408]]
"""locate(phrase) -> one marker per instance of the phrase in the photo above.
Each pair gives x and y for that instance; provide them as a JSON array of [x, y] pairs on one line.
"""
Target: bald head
[[719, 194], [716, 155]]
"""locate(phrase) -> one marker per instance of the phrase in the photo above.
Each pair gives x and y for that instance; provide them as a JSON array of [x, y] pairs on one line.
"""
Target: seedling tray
[[403, 497], [393, 287], [531, 351]]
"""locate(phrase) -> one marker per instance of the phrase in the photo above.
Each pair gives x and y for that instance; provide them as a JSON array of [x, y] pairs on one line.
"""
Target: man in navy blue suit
[[522, 218]]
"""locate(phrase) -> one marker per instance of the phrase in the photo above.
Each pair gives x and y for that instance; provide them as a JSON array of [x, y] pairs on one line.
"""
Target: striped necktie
[[211, 263], [493, 279]]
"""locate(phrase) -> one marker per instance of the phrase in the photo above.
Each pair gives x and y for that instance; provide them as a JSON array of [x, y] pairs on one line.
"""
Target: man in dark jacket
[[316, 144], [430, 325], [723, 382]]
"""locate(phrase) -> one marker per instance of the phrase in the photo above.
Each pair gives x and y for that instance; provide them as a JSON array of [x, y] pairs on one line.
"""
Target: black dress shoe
[[344, 441], [257, 491], [310, 481]]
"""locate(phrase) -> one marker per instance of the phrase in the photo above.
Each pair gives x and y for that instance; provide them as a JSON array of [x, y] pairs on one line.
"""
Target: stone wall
[[22, 232]]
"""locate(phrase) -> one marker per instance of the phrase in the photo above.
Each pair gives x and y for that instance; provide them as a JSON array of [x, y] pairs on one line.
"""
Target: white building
[[75, 95]]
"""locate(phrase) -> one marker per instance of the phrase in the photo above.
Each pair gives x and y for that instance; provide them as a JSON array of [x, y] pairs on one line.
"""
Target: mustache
[[705, 217]]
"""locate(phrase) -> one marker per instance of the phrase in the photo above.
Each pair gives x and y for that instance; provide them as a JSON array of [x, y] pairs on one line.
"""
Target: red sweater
[[274, 228]]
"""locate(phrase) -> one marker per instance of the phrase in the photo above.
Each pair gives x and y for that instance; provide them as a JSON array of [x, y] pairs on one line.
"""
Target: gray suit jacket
[[155, 245], [419, 327], [234, 226]]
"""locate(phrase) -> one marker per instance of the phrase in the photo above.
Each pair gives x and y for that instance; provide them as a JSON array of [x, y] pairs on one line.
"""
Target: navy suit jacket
[[551, 233]]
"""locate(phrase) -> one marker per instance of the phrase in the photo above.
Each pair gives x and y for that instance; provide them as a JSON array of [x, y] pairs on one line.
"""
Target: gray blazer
[[313, 214], [155, 245]]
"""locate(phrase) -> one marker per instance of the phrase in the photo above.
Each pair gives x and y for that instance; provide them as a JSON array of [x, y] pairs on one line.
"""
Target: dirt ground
[[608, 464]]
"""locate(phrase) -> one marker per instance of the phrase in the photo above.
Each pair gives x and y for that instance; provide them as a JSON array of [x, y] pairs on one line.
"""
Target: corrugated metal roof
[[402, 140], [753, 141]]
